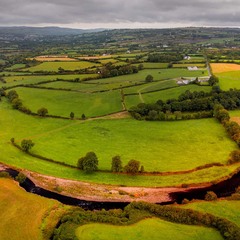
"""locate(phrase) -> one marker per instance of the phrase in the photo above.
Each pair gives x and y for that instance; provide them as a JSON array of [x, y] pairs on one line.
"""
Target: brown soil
[[102, 192]]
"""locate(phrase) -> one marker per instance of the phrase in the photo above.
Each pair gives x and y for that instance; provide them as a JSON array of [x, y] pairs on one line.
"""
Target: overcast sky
[[120, 13]]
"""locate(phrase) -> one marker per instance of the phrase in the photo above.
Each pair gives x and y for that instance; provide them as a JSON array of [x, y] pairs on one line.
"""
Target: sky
[[85, 14]]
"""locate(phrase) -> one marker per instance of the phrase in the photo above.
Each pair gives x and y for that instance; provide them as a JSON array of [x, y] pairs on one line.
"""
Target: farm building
[[203, 79], [193, 68]]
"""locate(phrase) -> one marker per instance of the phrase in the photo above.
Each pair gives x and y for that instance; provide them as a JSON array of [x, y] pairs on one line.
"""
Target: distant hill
[[43, 31]]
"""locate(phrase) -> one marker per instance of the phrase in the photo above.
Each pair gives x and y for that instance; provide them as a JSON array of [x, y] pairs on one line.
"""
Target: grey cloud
[[204, 12]]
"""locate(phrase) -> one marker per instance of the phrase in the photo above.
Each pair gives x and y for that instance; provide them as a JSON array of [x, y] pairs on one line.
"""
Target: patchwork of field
[[148, 229], [22, 213]]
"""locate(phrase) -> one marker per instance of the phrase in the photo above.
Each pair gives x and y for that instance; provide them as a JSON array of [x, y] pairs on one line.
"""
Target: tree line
[[188, 105]]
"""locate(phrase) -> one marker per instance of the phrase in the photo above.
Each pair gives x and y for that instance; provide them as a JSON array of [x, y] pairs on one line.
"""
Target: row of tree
[[188, 102], [89, 164]]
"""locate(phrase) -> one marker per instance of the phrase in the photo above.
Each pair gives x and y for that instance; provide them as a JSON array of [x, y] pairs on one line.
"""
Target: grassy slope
[[21, 212], [61, 103], [223, 208], [148, 229], [44, 131], [162, 147]]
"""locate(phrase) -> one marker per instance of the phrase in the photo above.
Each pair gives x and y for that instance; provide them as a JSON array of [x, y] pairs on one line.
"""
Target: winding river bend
[[222, 189]]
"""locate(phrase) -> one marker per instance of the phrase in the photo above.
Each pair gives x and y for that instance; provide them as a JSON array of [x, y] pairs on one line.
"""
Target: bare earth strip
[[102, 192]]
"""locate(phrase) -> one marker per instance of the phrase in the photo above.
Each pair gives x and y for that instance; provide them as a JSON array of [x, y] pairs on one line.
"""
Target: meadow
[[228, 80], [164, 94], [54, 66], [148, 229], [23, 215], [68, 141], [61, 103], [227, 209]]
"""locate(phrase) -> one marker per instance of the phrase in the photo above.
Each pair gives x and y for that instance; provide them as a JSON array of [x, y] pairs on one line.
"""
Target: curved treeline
[[188, 105], [137, 211]]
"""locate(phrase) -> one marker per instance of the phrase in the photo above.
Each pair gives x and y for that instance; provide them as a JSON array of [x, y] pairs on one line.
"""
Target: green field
[[54, 66], [148, 229], [174, 92], [154, 86], [199, 65], [69, 140], [229, 210], [158, 74], [22, 213], [61, 103], [153, 65], [16, 67], [229, 80]]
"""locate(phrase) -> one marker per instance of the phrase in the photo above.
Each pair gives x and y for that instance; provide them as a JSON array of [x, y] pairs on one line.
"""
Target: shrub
[[89, 163], [20, 178], [132, 167], [210, 196], [26, 145], [116, 164]]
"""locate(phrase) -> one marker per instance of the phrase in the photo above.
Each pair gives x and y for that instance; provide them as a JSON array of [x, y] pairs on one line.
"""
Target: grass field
[[54, 66], [16, 66], [148, 229], [163, 94], [158, 74], [229, 210], [154, 86], [22, 213], [27, 79], [229, 80], [199, 65], [69, 140], [61, 103], [153, 65], [224, 67]]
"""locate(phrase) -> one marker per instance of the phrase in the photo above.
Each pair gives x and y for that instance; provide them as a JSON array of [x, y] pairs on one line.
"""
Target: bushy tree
[[149, 78], [116, 164], [26, 145], [72, 115], [42, 112], [210, 196], [89, 163], [132, 167]]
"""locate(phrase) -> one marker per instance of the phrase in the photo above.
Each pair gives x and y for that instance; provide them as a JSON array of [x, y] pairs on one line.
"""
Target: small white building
[[192, 68]]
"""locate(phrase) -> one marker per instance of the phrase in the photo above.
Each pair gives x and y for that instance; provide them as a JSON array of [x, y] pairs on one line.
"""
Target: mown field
[[228, 80], [148, 229], [54, 66], [229, 210], [69, 140], [23, 215], [61, 103]]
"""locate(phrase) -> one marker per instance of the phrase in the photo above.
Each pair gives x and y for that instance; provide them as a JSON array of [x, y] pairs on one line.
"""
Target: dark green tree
[[89, 163], [132, 167], [149, 78], [72, 115], [116, 164], [213, 80], [26, 145], [83, 116], [42, 112]]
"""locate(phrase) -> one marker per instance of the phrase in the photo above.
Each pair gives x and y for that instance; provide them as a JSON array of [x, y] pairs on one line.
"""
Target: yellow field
[[224, 67], [53, 58], [22, 214]]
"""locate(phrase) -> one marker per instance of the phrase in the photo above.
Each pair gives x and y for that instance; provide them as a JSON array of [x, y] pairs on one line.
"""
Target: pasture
[[229, 80], [148, 229], [54, 66], [69, 140], [229, 210], [61, 103], [23, 214]]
